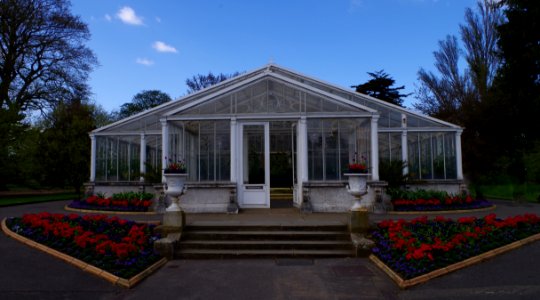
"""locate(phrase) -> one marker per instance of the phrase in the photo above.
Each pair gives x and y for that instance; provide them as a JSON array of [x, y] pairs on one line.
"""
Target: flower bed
[[120, 247], [413, 248], [129, 201], [423, 200]]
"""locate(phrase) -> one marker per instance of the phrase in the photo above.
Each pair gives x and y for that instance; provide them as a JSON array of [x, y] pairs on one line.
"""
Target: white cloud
[[108, 17], [162, 47], [128, 16], [144, 62]]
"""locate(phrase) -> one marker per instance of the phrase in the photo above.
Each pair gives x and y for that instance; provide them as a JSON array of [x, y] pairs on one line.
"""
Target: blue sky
[[142, 44]]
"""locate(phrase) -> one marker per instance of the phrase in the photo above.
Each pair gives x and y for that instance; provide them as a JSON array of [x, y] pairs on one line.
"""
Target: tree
[[141, 102], [444, 96], [65, 146], [380, 87], [517, 85], [199, 82], [464, 96], [43, 58]]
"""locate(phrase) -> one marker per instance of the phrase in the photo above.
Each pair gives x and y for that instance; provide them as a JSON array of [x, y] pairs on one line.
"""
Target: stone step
[[265, 235], [278, 228], [221, 253], [266, 244]]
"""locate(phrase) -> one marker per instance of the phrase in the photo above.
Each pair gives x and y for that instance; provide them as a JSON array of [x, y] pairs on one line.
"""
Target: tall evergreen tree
[[381, 87]]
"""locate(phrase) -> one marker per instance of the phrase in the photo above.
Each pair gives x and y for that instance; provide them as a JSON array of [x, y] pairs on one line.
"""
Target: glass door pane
[[254, 156]]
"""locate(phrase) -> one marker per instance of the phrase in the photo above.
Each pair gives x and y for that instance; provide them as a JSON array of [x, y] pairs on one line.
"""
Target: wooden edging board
[[126, 283], [109, 212], [406, 283], [438, 212]]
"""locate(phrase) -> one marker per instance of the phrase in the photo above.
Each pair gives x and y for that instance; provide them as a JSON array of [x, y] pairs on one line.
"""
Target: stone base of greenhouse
[[270, 129]]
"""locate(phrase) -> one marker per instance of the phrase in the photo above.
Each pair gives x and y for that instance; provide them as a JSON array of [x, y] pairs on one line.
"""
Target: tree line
[[486, 80]]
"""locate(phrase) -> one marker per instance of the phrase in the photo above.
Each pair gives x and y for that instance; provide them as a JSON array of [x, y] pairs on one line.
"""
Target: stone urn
[[357, 187], [174, 187]]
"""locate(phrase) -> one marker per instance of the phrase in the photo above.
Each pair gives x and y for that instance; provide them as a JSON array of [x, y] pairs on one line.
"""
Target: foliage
[[517, 87], [123, 248], [43, 58], [380, 87], [413, 248], [127, 201], [153, 174], [141, 102], [43, 61], [391, 171], [199, 82], [64, 145], [464, 97]]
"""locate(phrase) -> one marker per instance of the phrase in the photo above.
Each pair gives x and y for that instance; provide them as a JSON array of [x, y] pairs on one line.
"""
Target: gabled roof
[[296, 79]]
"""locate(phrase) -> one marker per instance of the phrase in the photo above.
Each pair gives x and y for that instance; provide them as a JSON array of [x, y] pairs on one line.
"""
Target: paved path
[[26, 273]]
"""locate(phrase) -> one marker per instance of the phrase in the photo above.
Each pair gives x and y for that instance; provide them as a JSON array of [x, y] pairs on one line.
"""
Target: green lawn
[[26, 199], [511, 191]]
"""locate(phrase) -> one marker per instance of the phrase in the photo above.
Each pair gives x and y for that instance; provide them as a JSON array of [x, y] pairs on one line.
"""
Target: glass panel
[[395, 146], [384, 146], [438, 156], [315, 149], [253, 151], [282, 137], [426, 170], [413, 152], [331, 151], [333, 144], [153, 159], [450, 155]]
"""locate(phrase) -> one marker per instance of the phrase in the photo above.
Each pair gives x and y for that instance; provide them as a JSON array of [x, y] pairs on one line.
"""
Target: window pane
[[426, 168], [450, 155], [413, 152]]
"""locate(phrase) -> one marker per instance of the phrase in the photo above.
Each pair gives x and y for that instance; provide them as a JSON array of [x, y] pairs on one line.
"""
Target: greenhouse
[[273, 129]]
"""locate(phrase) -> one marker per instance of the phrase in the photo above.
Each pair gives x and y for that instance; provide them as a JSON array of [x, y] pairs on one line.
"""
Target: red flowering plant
[[175, 167], [127, 201], [427, 200], [121, 247], [358, 166], [413, 248]]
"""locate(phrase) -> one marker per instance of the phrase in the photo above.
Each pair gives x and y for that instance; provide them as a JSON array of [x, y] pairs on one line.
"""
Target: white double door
[[253, 163]]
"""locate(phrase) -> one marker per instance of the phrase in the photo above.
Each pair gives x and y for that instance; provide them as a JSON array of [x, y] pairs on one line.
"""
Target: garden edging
[[123, 282], [66, 207], [406, 283]]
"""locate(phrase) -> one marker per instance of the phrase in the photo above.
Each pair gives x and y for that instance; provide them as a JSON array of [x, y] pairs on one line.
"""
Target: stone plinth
[[359, 222]]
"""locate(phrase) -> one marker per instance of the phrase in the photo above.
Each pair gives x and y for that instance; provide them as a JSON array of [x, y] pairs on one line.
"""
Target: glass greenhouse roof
[[272, 90]]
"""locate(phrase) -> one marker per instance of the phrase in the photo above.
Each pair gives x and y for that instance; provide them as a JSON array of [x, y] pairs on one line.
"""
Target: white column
[[164, 146], [459, 164], [143, 157], [302, 157], [375, 148], [234, 128], [404, 145], [92, 158]]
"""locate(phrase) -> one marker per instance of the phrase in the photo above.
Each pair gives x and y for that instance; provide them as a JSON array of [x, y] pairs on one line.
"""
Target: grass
[[27, 199], [529, 191]]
